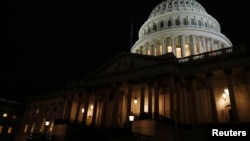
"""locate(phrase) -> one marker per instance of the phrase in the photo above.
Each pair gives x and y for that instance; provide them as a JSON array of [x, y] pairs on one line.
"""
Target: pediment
[[123, 63]]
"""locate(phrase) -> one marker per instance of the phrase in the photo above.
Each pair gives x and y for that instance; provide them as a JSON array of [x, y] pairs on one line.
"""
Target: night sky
[[49, 43]]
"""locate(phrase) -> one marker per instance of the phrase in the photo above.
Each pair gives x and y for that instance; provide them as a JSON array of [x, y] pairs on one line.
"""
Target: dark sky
[[50, 43]]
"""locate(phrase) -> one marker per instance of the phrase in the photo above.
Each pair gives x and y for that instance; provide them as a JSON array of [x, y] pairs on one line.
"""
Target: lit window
[[37, 111], [178, 52], [160, 51], [169, 48], [25, 128], [14, 116], [187, 50], [148, 52], [91, 107], [1, 129], [5, 115], [33, 127], [10, 129]]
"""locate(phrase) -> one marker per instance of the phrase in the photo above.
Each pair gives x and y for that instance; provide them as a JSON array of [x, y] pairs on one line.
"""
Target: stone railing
[[206, 55]]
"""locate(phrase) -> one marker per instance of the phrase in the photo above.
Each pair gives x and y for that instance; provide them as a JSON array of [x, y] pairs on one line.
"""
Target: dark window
[[169, 23], [185, 21], [177, 22], [162, 24]]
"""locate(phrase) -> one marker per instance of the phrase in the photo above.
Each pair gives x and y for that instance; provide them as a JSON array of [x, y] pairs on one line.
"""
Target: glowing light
[[225, 94], [46, 123], [131, 118], [135, 101]]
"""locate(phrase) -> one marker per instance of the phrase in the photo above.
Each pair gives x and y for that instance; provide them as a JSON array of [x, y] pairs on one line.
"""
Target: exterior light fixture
[[46, 123], [225, 94], [82, 110], [131, 118], [46, 126], [91, 107], [135, 101]]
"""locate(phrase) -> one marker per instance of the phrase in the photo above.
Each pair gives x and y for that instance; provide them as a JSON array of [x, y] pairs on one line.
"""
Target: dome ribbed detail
[[176, 5], [182, 27]]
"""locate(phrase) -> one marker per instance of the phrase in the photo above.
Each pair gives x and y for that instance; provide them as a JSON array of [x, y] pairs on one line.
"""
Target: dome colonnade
[[182, 27]]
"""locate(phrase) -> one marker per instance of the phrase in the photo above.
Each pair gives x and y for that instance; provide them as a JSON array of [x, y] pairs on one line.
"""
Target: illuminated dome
[[182, 27]]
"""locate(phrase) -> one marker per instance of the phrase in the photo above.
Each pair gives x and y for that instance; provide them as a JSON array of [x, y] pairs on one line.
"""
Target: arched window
[[206, 25], [154, 27], [169, 23], [185, 21], [177, 22], [192, 22], [199, 23], [162, 24]]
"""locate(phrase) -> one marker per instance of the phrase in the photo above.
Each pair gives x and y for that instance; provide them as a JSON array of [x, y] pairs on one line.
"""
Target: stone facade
[[210, 88]]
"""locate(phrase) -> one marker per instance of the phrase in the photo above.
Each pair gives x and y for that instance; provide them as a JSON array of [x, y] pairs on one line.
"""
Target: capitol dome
[[182, 27]]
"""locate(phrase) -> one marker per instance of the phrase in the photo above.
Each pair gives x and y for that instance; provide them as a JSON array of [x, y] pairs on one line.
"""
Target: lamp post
[[131, 118], [46, 126]]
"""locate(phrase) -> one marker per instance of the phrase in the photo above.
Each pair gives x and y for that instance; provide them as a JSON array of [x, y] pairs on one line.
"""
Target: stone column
[[178, 100], [86, 108], [150, 85], [129, 95], [96, 99], [183, 50], [235, 112], [212, 44], [69, 107], [247, 74], [142, 113], [65, 100], [116, 107], [200, 50], [60, 110], [204, 45], [164, 47], [78, 108], [193, 99], [219, 44], [152, 47], [173, 45], [172, 98], [212, 98], [156, 99], [105, 109], [193, 48]]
